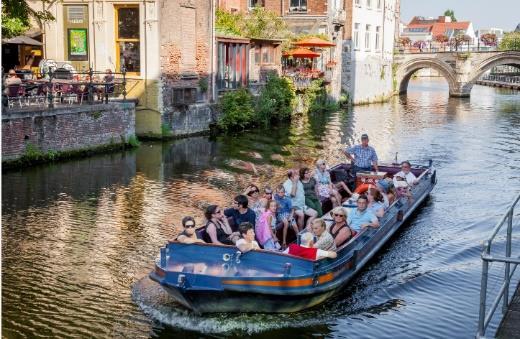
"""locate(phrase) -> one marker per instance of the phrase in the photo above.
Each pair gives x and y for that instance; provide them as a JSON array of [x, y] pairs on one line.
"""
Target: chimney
[[444, 19]]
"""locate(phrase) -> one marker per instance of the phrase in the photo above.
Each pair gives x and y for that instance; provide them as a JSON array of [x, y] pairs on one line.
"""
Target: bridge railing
[[508, 261], [433, 47], [514, 79]]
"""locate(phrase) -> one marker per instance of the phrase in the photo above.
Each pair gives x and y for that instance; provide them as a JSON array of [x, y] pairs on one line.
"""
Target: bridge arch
[[503, 58], [406, 70]]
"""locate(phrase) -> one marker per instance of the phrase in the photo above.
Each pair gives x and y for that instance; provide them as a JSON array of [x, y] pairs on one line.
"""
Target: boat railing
[[508, 261]]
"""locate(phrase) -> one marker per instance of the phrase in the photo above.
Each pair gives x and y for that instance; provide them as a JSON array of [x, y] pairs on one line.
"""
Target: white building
[[368, 49]]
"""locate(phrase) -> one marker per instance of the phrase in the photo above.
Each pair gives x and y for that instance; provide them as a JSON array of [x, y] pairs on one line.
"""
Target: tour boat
[[209, 278]]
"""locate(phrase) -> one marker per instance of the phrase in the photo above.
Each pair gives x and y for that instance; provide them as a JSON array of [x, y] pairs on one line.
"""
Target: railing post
[[483, 290], [50, 97], [90, 87], [507, 265], [124, 83]]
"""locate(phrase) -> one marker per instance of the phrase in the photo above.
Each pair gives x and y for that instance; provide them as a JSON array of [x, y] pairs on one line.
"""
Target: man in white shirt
[[406, 174]]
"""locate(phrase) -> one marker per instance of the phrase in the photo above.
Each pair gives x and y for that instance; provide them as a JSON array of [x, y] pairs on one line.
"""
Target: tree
[[489, 39], [258, 23], [441, 38], [16, 17], [459, 40], [510, 42], [404, 41], [451, 14]]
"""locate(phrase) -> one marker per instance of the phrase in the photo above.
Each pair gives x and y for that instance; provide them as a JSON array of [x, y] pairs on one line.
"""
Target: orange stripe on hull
[[281, 283]]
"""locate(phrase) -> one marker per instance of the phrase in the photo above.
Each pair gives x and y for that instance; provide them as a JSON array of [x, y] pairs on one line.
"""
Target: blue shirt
[[363, 156], [238, 218], [284, 204], [356, 219]]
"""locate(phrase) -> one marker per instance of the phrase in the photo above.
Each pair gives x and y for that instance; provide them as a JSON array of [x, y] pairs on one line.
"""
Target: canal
[[79, 238]]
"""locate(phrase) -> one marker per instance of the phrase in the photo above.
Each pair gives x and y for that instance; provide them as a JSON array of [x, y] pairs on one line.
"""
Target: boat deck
[[510, 325]]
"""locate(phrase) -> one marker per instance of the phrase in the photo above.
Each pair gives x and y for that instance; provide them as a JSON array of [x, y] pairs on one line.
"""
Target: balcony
[[339, 18]]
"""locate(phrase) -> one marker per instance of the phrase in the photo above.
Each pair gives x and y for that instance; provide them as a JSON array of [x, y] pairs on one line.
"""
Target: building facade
[[368, 46], [165, 46]]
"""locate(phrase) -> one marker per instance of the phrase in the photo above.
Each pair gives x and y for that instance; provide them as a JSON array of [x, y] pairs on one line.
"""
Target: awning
[[314, 42], [22, 40], [301, 53]]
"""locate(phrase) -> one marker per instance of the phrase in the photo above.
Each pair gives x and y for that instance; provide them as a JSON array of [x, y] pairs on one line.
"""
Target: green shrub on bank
[[316, 99], [237, 110], [276, 101]]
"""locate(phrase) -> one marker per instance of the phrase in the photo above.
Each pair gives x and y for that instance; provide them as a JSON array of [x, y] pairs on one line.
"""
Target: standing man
[[363, 157]]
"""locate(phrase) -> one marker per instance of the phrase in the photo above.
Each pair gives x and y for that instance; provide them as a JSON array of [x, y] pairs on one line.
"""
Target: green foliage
[[166, 131], [316, 100], [510, 42], [237, 110], [203, 84], [16, 17], [451, 14], [344, 99], [276, 101], [32, 152], [133, 141], [96, 115], [258, 23]]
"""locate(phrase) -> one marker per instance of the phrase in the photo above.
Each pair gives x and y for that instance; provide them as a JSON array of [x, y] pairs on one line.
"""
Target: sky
[[483, 13]]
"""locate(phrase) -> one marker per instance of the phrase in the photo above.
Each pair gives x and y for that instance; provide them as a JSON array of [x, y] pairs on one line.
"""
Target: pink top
[[262, 229]]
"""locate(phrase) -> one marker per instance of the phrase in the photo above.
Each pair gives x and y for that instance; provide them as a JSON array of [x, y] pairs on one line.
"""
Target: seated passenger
[[361, 217], [268, 193], [324, 241], [383, 186], [284, 213], [218, 228], [294, 189], [305, 250], [266, 228], [375, 202], [188, 235], [256, 203], [240, 212], [406, 174], [310, 187], [325, 187], [339, 230], [247, 241]]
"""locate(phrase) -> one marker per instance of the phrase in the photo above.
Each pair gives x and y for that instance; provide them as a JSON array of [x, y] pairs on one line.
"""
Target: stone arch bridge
[[460, 69]]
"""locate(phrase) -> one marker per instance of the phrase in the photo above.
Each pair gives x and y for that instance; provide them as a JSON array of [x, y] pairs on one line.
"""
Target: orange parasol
[[314, 42], [301, 53]]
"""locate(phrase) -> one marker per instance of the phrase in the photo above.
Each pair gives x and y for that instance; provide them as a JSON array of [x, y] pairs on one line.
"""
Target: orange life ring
[[362, 188]]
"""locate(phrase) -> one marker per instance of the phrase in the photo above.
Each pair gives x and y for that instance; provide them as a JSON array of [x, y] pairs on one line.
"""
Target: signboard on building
[[78, 44]]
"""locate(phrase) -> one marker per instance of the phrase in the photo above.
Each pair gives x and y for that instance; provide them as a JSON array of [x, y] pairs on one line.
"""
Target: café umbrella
[[301, 53], [314, 42]]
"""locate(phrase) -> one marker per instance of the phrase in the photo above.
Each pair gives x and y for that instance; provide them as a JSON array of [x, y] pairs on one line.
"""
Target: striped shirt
[[363, 156]]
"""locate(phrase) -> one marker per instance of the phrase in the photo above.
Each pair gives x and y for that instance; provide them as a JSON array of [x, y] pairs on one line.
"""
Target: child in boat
[[266, 228], [285, 213], [247, 241]]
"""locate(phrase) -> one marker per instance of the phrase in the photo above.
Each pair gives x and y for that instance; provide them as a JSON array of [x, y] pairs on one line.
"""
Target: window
[[255, 3], [298, 6], [378, 37], [128, 52], [264, 54], [367, 37], [184, 96], [357, 3], [369, 4], [379, 4], [356, 36]]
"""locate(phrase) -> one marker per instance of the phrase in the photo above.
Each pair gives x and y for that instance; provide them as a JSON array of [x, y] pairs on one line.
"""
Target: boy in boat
[[188, 235], [284, 213], [247, 241], [305, 250]]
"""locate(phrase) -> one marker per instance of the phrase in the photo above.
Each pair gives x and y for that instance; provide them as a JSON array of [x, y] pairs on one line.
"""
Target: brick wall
[[66, 129]]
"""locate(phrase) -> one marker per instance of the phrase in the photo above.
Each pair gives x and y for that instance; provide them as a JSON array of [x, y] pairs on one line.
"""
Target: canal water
[[79, 238]]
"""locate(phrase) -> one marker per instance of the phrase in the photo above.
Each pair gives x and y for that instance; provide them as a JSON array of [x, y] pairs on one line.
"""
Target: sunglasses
[[339, 215], [189, 226], [217, 212]]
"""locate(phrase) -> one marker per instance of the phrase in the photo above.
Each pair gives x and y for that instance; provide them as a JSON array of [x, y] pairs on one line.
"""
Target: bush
[[510, 42], [237, 110], [316, 99], [276, 100]]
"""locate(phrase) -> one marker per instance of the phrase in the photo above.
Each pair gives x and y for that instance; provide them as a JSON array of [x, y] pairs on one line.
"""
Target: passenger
[[294, 188], [240, 212], [364, 156], [188, 235], [266, 228], [305, 250], [376, 203], [310, 188], [247, 241], [11, 80], [326, 188], [406, 174], [268, 193], [256, 203], [384, 186], [339, 230], [218, 228], [285, 213], [402, 187], [361, 217], [324, 241]]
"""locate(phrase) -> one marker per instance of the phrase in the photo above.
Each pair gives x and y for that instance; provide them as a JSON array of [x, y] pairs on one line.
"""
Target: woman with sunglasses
[[339, 228], [256, 203], [188, 235], [217, 227]]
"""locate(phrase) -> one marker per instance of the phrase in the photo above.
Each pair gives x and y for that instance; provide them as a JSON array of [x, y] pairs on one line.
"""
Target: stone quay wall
[[66, 129]]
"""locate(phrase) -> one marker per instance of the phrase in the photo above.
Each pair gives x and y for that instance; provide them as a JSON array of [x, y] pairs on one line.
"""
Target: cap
[[364, 136], [384, 184]]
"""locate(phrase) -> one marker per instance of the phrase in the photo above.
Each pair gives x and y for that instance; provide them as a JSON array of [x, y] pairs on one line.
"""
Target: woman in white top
[[406, 174]]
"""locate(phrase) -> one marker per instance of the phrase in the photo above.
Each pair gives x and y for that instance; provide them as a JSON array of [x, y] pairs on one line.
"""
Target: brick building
[[166, 47]]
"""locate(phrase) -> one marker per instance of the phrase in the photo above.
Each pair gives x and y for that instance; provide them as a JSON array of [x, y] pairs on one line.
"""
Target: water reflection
[[79, 238]]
